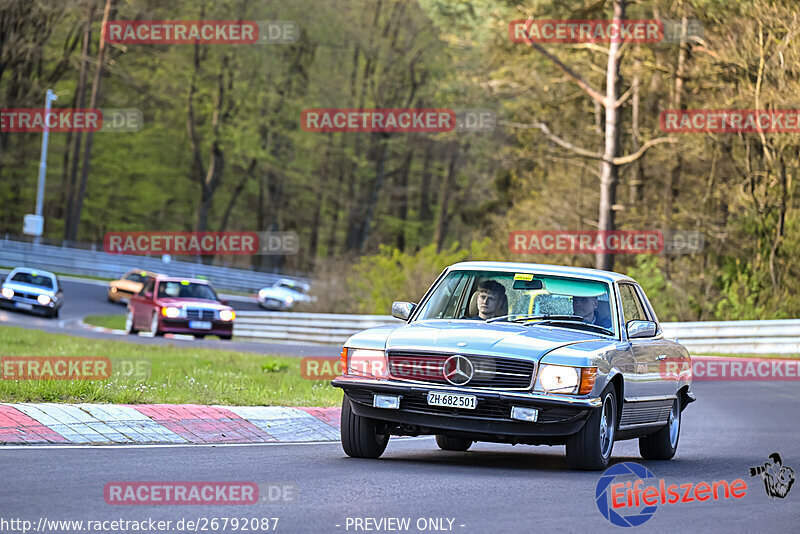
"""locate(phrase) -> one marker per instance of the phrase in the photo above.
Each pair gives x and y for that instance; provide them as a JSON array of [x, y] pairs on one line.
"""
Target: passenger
[[586, 307]]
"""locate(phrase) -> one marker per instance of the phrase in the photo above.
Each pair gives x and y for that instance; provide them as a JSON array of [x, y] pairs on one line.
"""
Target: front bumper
[[181, 326], [27, 304], [558, 416]]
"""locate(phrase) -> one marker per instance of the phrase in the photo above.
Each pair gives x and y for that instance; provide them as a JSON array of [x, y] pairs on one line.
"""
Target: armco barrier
[[731, 337], [97, 263]]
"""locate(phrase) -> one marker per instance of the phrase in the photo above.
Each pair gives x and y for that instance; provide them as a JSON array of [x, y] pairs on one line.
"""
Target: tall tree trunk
[[425, 212], [608, 170], [87, 151], [81, 102], [380, 176], [443, 220]]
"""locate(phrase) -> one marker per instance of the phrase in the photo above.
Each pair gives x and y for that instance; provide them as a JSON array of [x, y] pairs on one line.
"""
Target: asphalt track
[[82, 298], [491, 488]]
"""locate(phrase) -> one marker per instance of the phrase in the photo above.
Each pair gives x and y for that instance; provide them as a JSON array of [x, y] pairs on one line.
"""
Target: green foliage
[[661, 292], [391, 275]]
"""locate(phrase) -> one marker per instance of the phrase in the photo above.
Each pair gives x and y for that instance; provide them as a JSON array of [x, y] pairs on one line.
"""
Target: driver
[[586, 307], [491, 294]]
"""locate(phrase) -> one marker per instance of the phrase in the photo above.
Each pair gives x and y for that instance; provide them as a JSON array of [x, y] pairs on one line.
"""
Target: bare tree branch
[[583, 84], [554, 138], [630, 158]]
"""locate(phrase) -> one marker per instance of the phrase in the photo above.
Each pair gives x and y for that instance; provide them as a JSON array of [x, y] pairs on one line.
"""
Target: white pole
[[51, 96]]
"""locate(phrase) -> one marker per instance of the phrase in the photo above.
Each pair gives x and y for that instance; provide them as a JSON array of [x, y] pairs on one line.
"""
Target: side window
[[632, 308], [148, 287]]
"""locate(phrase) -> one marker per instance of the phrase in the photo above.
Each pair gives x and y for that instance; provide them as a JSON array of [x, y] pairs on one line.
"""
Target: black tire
[[129, 324], [663, 444], [226, 338], [591, 447], [450, 443], [359, 435], [154, 327]]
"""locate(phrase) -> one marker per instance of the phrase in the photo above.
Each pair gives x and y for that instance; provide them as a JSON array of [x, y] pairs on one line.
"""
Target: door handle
[[661, 357]]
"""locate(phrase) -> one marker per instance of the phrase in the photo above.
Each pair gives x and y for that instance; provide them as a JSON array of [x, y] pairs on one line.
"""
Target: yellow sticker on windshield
[[522, 276], [184, 282]]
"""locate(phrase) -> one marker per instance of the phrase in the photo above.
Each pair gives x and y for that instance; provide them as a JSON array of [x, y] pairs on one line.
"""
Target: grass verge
[[115, 322], [173, 374]]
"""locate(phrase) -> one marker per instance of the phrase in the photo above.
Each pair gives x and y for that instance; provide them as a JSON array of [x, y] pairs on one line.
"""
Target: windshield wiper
[[571, 322], [537, 316]]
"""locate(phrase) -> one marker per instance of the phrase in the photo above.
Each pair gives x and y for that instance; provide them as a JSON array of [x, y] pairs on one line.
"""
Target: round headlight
[[558, 378], [171, 312], [44, 300], [262, 293], [227, 315], [8, 292]]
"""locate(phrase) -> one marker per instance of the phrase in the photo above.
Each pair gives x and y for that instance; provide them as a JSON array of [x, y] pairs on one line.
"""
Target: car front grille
[[22, 295], [200, 314], [488, 371]]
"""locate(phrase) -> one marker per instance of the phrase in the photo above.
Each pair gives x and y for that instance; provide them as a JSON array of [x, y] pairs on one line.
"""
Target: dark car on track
[[179, 306]]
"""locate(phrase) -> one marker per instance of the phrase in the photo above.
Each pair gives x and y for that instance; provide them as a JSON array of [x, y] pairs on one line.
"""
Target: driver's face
[[487, 303], [584, 306]]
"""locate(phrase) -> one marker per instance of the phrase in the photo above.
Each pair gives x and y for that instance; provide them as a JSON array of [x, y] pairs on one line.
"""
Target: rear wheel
[[591, 447], [129, 324], [226, 338], [450, 443], [360, 438], [663, 444]]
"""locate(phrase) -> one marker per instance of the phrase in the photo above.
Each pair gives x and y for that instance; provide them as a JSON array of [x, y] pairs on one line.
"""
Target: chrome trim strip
[[650, 399], [641, 425]]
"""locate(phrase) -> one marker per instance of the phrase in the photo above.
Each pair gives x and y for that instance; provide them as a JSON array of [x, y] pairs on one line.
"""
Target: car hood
[[28, 288], [497, 339], [192, 303]]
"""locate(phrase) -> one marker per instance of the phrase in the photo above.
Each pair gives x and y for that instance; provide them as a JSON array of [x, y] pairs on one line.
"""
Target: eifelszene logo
[[624, 499], [777, 478]]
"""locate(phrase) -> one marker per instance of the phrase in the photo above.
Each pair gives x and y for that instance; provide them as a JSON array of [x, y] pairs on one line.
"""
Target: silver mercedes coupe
[[518, 353]]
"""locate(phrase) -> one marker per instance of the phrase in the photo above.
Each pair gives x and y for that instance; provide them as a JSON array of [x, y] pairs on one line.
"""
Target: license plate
[[452, 400], [200, 325], [23, 305]]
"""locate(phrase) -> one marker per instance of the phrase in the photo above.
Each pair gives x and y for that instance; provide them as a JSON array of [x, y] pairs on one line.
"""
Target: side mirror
[[402, 310], [637, 329], [148, 295], [224, 301]]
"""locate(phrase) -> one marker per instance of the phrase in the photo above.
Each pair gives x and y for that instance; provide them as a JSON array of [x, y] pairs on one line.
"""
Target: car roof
[[181, 279], [39, 272], [541, 268], [147, 273]]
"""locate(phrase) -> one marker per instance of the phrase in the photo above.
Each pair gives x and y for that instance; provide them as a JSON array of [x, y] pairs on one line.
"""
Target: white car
[[283, 295]]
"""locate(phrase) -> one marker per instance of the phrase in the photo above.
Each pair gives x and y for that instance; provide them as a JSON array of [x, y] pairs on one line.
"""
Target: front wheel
[[360, 438], [450, 443], [154, 326], [591, 447], [663, 444], [129, 328]]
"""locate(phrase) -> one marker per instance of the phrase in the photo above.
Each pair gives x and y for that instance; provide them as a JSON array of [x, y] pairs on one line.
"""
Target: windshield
[[136, 277], [520, 297], [185, 290], [33, 279]]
